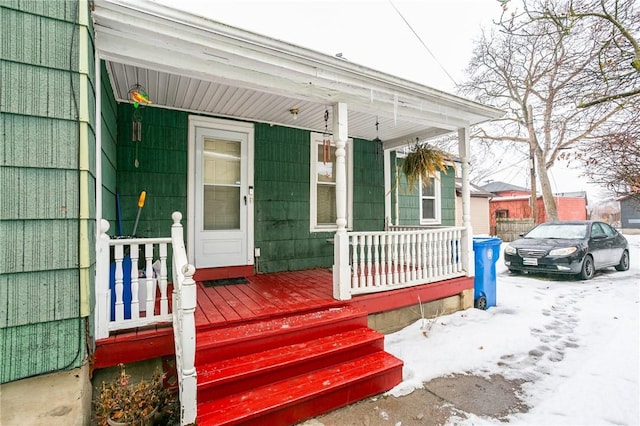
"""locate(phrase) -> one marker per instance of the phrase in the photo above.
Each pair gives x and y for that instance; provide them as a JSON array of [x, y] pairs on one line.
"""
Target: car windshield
[[568, 231]]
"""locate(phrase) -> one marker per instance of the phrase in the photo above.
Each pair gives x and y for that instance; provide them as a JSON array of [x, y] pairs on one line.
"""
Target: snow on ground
[[575, 343]]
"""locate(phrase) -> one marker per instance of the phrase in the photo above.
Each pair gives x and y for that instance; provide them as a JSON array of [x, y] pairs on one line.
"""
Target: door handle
[[245, 200]]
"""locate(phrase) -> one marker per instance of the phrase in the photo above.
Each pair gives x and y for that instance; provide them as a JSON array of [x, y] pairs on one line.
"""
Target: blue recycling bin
[[487, 253]]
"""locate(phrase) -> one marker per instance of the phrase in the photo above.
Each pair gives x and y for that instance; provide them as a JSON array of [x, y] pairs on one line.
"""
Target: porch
[[262, 297]]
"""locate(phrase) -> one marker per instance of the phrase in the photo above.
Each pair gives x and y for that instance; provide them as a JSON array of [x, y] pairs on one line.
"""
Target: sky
[[426, 41], [367, 32], [575, 344]]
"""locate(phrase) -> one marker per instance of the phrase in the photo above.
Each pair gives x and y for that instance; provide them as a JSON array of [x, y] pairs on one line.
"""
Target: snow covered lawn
[[576, 343]]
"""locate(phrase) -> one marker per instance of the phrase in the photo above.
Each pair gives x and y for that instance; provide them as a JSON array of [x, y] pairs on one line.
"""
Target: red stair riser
[[305, 396], [255, 370], [215, 345], [328, 402]]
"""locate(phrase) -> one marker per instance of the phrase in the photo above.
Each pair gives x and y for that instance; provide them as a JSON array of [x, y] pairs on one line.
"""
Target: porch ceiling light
[[294, 112]]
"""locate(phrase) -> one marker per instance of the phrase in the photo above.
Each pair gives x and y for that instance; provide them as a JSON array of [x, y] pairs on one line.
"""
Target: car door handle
[[245, 200]]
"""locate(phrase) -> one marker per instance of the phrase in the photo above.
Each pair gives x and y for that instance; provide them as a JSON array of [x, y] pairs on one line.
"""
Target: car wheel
[[481, 303], [588, 270], [624, 262]]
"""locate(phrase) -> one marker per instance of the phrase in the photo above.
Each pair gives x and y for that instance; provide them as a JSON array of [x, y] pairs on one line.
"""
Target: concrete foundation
[[62, 398], [392, 321]]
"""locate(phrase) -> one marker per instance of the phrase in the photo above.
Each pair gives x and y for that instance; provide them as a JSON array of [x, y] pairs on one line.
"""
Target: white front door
[[221, 193]]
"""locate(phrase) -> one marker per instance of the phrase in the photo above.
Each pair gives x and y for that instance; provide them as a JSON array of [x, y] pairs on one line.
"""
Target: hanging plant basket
[[424, 161]]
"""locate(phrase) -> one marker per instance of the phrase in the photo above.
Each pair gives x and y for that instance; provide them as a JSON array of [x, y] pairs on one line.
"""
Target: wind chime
[[138, 96], [326, 140], [378, 143]]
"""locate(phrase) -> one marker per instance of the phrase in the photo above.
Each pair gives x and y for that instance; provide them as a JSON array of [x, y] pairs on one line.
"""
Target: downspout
[[101, 294], [98, 131], [387, 189]]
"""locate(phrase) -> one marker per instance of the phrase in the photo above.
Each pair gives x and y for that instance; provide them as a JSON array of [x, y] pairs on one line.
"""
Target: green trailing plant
[[424, 161]]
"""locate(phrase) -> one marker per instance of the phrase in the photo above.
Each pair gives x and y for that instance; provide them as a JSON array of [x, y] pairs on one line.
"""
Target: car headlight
[[563, 251], [510, 250]]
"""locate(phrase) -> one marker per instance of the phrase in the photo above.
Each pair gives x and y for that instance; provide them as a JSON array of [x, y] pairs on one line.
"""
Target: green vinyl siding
[[448, 198], [32, 349], [368, 187], [161, 171], [281, 209], [46, 210], [282, 199], [281, 187], [109, 134]]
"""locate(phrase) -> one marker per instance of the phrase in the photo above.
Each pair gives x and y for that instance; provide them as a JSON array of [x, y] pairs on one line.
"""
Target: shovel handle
[[143, 195]]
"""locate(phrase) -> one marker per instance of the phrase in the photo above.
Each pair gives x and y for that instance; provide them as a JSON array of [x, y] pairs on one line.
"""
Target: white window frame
[[437, 202], [315, 140]]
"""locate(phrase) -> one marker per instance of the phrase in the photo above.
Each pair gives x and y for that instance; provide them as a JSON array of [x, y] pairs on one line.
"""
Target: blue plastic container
[[487, 253], [126, 284]]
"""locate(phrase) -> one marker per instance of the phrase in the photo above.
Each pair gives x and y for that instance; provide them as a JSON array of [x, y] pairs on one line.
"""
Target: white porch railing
[[184, 324], [129, 274], [141, 308], [389, 260]]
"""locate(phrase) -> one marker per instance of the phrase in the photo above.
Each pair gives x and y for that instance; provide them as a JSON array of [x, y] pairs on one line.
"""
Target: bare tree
[[618, 22], [535, 72], [613, 159]]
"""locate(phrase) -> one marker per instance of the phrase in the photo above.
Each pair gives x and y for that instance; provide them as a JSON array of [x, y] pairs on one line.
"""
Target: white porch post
[[464, 149], [341, 271], [103, 294]]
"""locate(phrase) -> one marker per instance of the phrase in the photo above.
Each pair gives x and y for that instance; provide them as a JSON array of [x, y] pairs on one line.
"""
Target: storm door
[[222, 196]]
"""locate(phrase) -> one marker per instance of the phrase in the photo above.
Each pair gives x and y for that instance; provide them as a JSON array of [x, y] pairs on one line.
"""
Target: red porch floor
[[265, 296]]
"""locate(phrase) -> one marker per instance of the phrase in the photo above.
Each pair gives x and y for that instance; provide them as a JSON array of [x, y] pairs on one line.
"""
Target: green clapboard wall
[[45, 275], [281, 177]]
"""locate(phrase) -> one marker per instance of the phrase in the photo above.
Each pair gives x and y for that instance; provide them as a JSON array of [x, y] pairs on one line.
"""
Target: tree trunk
[[545, 188]]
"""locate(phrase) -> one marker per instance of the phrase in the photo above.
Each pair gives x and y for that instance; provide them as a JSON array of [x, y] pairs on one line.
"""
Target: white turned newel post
[[466, 246], [341, 269], [103, 295], [188, 335], [184, 323]]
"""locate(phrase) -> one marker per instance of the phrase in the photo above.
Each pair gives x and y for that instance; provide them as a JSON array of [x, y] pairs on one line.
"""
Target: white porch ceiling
[[189, 63]]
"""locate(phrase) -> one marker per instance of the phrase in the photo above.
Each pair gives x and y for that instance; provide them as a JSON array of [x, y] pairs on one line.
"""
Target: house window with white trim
[[430, 200], [323, 212]]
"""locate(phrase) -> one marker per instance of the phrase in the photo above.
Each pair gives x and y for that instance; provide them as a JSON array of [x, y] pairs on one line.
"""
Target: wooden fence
[[510, 229]]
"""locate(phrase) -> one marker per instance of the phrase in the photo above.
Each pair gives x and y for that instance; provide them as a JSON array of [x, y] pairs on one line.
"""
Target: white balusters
[[119, 284], [162, 281], [135, 275], [135, 290], [376, 260], [396, 276], [362, 261], [354, 261], [150, 290], [387, 260], [383, 260]]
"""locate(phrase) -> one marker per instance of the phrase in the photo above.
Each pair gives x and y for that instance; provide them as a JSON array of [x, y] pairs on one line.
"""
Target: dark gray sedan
[[568, 247]]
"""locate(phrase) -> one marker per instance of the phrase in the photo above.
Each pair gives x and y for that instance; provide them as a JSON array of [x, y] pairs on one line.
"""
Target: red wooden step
[[241, 339], [234, 375], [290, 401]]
